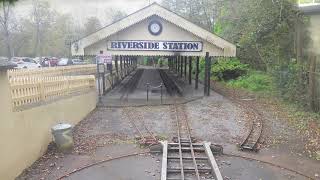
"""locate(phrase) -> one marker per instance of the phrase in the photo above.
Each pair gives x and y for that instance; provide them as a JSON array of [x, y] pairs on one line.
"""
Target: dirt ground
[[108, 132]]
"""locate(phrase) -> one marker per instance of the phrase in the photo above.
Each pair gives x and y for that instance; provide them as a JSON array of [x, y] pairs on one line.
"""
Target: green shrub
[[254, 81], [291, 80], [145, 61], [227, 69], [162, 62]]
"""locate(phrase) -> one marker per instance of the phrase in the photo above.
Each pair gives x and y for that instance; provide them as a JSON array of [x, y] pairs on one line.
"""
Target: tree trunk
[[8, 44], [4, 23]]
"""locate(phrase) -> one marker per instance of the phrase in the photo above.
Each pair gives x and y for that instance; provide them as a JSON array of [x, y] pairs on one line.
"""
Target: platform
[[138, 96]]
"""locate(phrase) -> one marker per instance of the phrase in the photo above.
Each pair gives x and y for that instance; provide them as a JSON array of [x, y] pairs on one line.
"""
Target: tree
[[92, 25], [202, 12], [9, 1], [6, 25], [117, 15], [42, 18], [59, 36]]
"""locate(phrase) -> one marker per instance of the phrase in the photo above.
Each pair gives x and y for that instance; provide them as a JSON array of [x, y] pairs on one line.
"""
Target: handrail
[[154, 87]]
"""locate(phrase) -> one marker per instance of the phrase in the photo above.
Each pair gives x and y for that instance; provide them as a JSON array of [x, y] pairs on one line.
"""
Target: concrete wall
[[25, 135]]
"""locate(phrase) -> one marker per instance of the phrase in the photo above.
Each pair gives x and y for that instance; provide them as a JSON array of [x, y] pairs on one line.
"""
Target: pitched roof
[[310, 9], [142, 14]]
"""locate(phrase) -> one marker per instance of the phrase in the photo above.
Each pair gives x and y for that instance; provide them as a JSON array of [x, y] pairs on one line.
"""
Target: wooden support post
[[181, 66], [190, 70], [126, 65], [197, 73], [209, 76], [121, 69], [206, 78], [185, 67], [176, 64], [117, 69]]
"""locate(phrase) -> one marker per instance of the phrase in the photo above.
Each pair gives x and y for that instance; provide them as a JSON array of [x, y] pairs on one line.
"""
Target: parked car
[[49, 61], [3, 59], [78, 61], [37, 59], [65, 62], [25, 62]]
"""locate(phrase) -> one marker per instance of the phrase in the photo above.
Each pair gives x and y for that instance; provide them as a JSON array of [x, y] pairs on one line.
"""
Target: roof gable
[[149, 11]]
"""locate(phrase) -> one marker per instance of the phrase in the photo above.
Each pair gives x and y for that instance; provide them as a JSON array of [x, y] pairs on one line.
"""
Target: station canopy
[[153, 31]]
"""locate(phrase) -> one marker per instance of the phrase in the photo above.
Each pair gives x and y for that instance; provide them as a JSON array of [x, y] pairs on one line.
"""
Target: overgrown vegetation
[[226, 69], [256, 81], [270, 37]]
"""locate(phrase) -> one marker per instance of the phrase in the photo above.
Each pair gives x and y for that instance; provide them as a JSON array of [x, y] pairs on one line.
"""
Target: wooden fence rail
[[34, 90], [54, 71]]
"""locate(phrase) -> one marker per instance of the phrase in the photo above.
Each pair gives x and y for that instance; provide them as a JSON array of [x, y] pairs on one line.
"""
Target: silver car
[[26, 63]]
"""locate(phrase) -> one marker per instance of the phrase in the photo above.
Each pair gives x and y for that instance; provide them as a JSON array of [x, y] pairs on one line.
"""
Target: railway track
[[252, 139], [170, 84], [131, 84], [184, 159], [146, 137]]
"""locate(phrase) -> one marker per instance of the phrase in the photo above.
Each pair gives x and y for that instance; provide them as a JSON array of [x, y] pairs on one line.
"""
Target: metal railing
[[149, 87]]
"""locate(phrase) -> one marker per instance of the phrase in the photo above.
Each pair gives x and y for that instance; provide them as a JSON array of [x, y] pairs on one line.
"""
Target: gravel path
[[108, 132]]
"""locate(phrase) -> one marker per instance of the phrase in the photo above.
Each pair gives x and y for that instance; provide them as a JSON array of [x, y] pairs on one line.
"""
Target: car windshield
[[27, 60]]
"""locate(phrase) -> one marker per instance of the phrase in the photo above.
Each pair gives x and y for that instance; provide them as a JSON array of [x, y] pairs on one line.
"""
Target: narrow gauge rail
[[184, 159], [253, 137], [147, 138], [171, 86], [131, 84]]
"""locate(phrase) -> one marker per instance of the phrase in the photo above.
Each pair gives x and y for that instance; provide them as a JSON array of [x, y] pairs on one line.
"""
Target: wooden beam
[[212, 161], [206, 74], [185, 67], [116, 64], [209, 76], [178, 65], [121, 67], [164, 160], [181, 66], [190, 70], [197, 72]]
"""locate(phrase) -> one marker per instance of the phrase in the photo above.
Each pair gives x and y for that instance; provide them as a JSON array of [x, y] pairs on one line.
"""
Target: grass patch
[[255, 81]]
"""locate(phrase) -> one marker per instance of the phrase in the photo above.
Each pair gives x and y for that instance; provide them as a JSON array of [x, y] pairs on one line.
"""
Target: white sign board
[[175, 46], [104, 59]]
